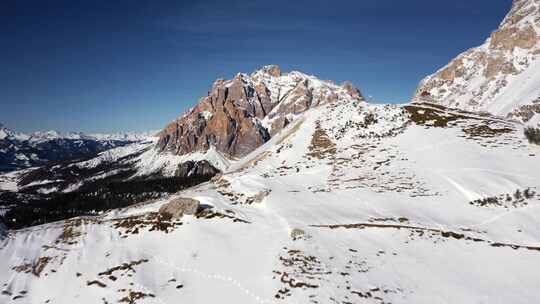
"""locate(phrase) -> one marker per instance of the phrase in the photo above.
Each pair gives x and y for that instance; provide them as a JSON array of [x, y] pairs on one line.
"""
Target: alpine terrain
[[280, 187], [19, 150], [500, 76]]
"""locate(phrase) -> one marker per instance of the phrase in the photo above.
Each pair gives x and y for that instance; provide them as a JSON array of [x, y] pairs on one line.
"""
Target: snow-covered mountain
[[347, 203], [501, 76], [126, 162], [39, 136], [6, 133], [20, 150]]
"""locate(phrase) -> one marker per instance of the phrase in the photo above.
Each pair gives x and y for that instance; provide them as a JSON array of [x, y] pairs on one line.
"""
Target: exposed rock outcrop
[[196, 168], [176, 208], [501, 76], [297, 234], [241, 114]]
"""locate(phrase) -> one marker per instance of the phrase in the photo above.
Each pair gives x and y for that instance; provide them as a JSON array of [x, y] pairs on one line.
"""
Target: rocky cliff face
[[502, 76], [241, 114]]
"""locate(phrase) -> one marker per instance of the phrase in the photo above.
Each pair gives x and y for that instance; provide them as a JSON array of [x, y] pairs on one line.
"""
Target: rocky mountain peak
[[500, 76], [272, 70], [240, 114], [352, 90]]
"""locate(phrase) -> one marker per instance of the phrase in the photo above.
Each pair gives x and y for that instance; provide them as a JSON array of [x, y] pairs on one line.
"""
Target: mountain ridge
[[497, 77], [240, 114], [6, 132], [21, 150]]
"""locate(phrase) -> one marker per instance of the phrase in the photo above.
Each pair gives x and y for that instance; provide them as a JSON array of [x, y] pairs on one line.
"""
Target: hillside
[[351, 203]]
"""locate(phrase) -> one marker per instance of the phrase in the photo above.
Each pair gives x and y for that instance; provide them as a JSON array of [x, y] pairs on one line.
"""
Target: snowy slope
[[502, 76], [352, 203]]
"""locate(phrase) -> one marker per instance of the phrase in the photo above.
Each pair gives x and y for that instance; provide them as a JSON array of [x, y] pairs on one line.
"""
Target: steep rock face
[[198, 168], [241, 114], [502, 76]]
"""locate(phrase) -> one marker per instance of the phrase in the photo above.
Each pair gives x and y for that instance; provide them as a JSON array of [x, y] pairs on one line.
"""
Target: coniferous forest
[[95, 198]]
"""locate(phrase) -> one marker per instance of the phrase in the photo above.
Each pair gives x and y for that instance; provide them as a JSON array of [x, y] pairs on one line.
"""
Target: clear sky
[[103, 66]]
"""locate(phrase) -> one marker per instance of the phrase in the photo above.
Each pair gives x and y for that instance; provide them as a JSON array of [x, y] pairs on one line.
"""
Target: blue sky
[[104, 66]]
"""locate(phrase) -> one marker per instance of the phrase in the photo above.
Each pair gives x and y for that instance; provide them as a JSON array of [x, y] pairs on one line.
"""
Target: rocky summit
[[240, 114]]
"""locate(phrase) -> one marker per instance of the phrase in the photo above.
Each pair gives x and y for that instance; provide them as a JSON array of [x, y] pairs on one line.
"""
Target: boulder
[[297, 233], [177, 207], [259, 197]]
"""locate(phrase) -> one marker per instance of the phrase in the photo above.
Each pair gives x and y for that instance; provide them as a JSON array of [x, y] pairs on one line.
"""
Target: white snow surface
[[398, 193]]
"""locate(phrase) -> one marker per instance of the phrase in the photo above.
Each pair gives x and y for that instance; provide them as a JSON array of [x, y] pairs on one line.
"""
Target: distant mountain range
[[20, 150]]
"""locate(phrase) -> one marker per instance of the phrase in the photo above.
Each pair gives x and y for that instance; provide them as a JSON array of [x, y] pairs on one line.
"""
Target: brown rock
[[512, 37], [230, 127], [352, 90], [273, 70], [230, 117], [176, 208], [455, 69], [498, 64]]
